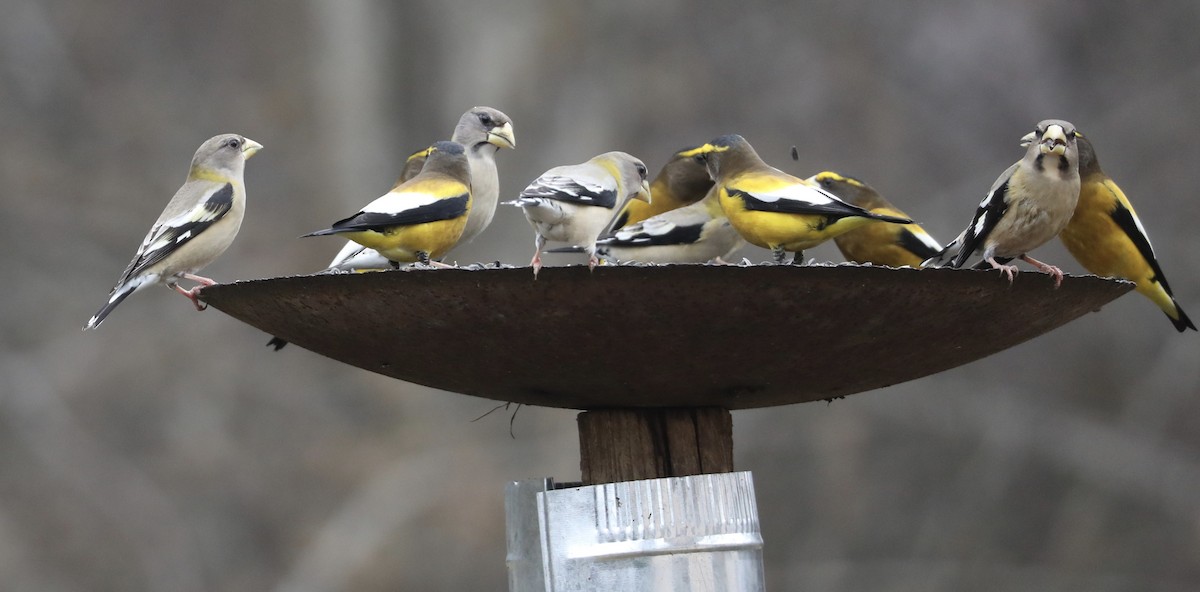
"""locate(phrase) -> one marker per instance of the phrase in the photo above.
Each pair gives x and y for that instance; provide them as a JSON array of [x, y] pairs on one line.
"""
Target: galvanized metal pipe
[[697, 533]]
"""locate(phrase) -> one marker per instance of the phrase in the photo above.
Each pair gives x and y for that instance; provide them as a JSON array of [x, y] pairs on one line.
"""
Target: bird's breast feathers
[[1038, 208], [1107, 237], [403, 243]]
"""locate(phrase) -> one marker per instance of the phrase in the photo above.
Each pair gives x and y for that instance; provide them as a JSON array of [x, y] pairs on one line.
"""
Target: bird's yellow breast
[[1096, 241], [637, 210], [1104, 248], [402, 243], [661, 200]]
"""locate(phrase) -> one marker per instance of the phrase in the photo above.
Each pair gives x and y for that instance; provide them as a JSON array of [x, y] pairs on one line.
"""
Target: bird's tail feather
[[325, 232], [277, 342], [892, 219], [118, 295], [539, 206], [954, 246], [938, 260], [1182, 322]]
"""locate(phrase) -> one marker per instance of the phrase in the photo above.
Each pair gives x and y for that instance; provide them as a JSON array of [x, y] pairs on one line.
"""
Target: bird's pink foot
[[536, 264], [193, 294], [593, 261], [1054, 272], [1008, 271]]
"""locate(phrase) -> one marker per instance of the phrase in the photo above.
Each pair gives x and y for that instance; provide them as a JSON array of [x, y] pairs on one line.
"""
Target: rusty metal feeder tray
[[734, 337]]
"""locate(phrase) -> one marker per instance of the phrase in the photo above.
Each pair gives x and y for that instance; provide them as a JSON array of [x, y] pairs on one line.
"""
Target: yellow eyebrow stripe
[[705, 149]]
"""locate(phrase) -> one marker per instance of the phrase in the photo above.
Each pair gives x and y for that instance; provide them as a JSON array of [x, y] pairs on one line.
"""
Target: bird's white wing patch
[[580, 184], [642, 231], [1141, 230], [981, 223], [179, 229], [799, 193], [395, 203], [582, 190]]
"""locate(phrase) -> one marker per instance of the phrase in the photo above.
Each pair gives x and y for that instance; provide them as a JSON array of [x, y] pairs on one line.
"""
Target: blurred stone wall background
[[171, 450]]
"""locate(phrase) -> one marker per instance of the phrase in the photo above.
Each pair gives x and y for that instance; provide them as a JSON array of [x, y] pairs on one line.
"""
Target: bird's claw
[[194, 296], [1054, 272], [1008, 271]]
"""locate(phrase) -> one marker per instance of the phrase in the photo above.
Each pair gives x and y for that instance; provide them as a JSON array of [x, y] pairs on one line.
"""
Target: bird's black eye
[[485, 119], [1071, 135], [234, 143], [641, 169], [699, 158], [827, 182]]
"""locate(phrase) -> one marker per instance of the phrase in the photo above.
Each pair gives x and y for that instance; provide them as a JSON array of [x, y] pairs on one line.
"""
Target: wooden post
[[649, 443]]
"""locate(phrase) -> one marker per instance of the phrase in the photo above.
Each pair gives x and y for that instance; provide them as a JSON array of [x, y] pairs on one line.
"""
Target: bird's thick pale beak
[[643, 192], [250, 148], [1054, 140], [1028, 139], [503, 136]]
